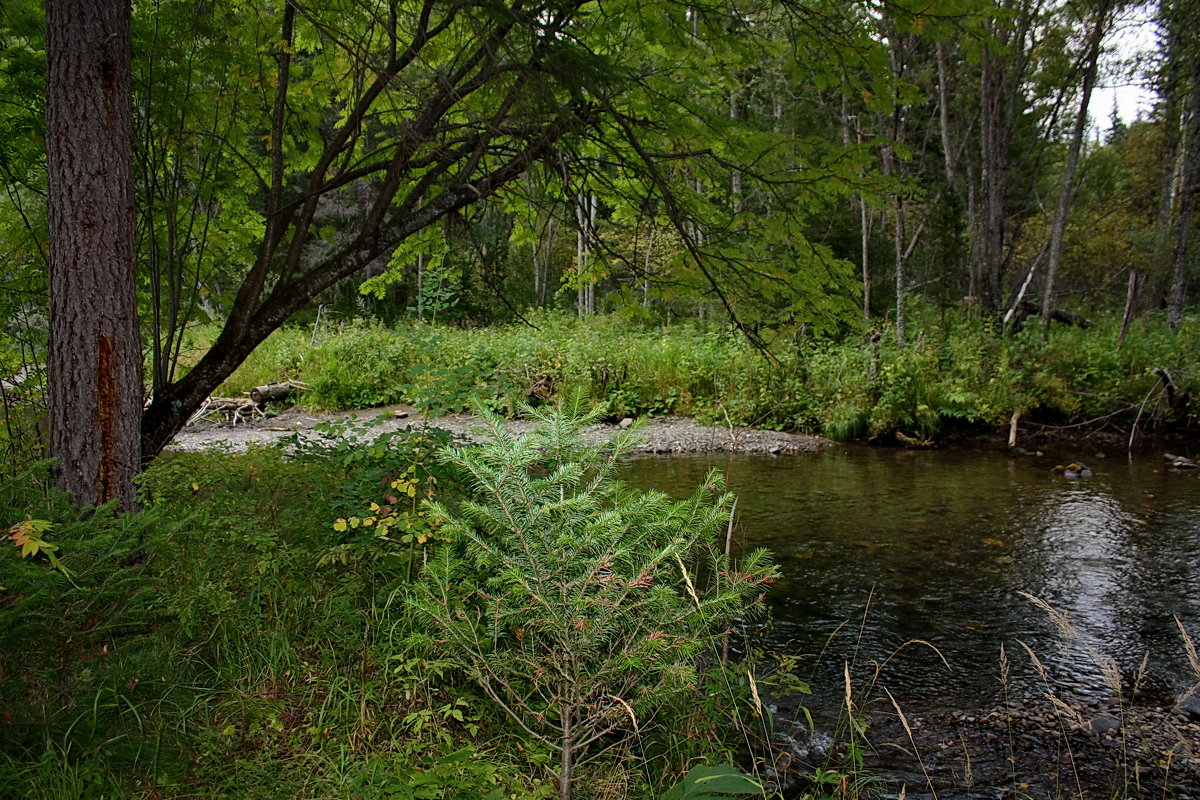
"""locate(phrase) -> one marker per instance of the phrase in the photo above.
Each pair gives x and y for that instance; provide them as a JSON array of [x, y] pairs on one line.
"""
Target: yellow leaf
[[340, 525], [354, 522], [374, 506]]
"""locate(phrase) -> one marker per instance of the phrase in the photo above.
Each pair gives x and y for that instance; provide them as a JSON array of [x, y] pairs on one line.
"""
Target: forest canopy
[[783, 166]]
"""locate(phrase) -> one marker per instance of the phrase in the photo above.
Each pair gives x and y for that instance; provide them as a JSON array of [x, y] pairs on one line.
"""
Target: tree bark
[[1059, 227], [95, 361], [987, 229], [566, 764], [897, 54], [1003, 63], [1189, 179], [270, 392], [1131, 295]]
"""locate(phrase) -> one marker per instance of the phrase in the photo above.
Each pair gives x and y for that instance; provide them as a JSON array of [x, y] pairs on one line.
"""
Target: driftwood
[[910, 441], [233, 409], [239, 409], [275, 391], [272, 391], [1012, 428], [1180, 462]]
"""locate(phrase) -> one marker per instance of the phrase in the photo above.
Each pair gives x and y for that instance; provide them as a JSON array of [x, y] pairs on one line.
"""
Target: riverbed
[[970, 584]]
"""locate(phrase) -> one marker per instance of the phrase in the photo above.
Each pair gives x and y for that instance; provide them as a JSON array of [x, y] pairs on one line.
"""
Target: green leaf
[[704, 782]]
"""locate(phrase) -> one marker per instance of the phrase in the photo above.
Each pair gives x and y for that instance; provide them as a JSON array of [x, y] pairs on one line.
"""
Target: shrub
[[578, 605]]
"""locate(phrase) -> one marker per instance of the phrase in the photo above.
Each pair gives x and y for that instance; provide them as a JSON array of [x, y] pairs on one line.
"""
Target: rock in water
[[1075, 470]]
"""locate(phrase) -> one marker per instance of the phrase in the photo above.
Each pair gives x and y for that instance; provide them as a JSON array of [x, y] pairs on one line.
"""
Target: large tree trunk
[[95, 362], [988, 226]]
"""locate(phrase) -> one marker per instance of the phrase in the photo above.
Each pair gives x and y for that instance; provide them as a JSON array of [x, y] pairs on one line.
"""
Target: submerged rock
[[1074, 470]]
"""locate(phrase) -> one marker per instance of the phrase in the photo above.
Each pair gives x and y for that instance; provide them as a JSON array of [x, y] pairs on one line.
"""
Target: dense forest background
[[871, 219], [799, 171]]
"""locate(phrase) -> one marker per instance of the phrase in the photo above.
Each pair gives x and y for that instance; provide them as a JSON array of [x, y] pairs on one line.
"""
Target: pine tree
[[580, 606]]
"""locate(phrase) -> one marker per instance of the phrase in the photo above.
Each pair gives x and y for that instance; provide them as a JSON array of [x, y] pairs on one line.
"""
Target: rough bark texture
[[95, 361], [988, 224]]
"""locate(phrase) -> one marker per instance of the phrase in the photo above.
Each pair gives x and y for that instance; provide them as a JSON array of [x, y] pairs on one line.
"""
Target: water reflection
[[886, 547]]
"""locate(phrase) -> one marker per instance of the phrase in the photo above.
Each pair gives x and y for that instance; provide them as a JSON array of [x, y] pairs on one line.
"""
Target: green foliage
[[225, 642], [577, 605], [359, 367], [76, 659], [958, 371], [464, 774], [712, 782], [365, 461]]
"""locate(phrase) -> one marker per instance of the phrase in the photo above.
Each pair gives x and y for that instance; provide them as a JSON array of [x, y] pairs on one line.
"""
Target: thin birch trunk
[[1059, 227]]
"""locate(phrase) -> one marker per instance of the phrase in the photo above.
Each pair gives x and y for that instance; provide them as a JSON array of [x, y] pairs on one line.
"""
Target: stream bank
[[658, 435], [939, 545]]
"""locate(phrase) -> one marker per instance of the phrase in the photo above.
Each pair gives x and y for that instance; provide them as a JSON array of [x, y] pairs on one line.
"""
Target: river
[[883, 547]]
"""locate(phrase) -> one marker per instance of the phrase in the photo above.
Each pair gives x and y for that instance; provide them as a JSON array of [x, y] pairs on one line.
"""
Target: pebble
[[1027, 738], [658, 435]]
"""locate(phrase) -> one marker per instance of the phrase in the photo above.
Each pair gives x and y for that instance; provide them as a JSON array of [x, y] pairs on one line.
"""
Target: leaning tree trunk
[[1059, 228], [1188, 183], [95, 362]]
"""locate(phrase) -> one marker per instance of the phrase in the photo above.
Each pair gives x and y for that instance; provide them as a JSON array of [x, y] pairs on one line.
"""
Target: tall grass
[[1131, 747], [959, 371], [228, 640], [224, 641]]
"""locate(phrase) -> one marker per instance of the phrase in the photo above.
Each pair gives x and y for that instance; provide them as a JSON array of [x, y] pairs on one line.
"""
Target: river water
[[883, 547]]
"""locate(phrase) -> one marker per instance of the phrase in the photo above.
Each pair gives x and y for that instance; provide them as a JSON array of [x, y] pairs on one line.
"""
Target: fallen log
[[910, 441], [1180, 462], [272, 391], [1025, 309]]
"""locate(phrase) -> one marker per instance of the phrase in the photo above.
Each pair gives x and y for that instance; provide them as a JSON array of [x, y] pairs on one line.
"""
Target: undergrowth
[[248, 634], [959, 371]]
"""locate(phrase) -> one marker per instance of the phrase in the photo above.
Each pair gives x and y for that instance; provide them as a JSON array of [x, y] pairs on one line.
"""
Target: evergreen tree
[[580, 606]]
